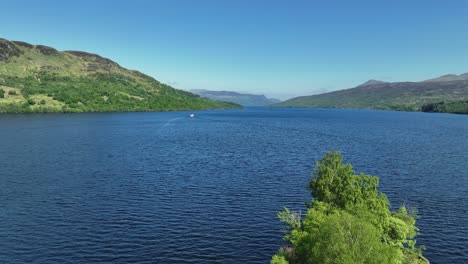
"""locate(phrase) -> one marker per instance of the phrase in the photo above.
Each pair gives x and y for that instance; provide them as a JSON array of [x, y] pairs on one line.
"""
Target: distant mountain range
[[235, 97], [408, 96], [37, 78]]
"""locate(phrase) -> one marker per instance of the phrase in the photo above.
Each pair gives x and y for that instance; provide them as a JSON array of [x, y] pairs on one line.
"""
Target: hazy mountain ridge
[[372, 82], [38, 78], [410, 96], [449, 78], [236, 97]]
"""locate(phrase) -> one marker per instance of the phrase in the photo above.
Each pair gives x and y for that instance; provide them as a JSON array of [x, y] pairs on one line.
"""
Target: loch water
[[170, 188]]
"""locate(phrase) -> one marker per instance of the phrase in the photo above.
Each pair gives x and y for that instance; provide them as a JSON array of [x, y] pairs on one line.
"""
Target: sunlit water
[[169, 188]]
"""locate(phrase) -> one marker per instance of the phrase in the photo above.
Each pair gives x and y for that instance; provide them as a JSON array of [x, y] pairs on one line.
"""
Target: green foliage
[[2, 93], [456, 107], [42, 102], [278, 259], [86, 94], [338, 236], [292, 219], [84, 82], [348, 221]]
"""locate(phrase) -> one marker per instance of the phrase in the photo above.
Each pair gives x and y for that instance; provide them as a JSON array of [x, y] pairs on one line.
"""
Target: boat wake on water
[[168, 123]]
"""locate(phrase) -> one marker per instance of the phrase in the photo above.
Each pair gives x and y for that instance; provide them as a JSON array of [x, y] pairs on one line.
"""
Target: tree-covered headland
[[348, 221], [456, 107]]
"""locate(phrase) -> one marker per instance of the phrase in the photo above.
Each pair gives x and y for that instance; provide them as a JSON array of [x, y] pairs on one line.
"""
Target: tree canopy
[[347, 221]]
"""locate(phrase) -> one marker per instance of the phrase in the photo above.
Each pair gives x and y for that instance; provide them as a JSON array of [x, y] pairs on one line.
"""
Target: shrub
[[277, 259]]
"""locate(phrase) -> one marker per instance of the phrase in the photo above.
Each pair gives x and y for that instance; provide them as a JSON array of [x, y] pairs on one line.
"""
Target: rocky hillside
[[37, 78], [408, 96]]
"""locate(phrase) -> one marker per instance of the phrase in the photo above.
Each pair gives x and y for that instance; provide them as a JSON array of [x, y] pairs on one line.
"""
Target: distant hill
[[408, 96], [238, 98], [37, 78], [372, 82], [449, 78]]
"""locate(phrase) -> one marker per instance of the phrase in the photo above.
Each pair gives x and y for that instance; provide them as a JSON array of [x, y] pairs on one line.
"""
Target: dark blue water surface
[[167, 188]]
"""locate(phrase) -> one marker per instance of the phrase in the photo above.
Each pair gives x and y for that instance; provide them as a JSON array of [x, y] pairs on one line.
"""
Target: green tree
[[340, 237], [348, 221]]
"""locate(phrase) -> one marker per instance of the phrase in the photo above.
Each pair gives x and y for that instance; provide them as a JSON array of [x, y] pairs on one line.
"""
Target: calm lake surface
[[167, 188]]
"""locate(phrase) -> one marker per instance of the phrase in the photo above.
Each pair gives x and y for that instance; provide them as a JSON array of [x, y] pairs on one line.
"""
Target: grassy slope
[[46, 80], [393, 96]]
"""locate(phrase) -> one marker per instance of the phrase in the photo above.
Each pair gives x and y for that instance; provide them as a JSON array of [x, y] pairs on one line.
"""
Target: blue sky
[[278, 48]]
